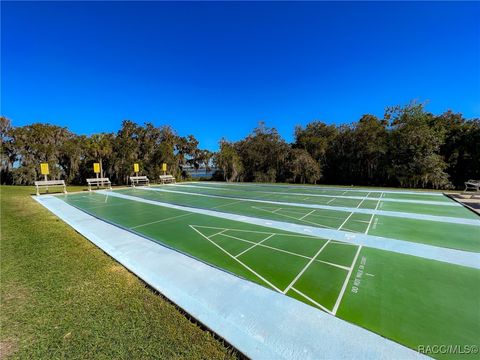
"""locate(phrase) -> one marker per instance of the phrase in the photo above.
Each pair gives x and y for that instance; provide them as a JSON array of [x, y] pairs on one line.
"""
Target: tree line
[[408, 147], [71, 157]]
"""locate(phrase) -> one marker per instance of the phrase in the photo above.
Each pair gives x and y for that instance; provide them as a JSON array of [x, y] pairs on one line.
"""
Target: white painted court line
[[415, 216], [304, 216], [305, 268], [254, 245], [329, 201], [294, 218], [267, 246], [159, 221], [371, 219], [318, 253], [297, 212], [345, 283], [361, 202], [344, 222], [452, 256], [218, 233], [260, 232], [240, 262], [312, 301], [233, 202], [334, 265]]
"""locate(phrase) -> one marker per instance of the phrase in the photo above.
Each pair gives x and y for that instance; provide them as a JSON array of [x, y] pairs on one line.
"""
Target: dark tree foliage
[[263, 154], [409, 147], [71, 157]]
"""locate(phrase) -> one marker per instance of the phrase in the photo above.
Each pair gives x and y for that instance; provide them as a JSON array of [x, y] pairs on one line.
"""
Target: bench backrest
[[49, 182], [95, 180], [166, 177], [138, 178]]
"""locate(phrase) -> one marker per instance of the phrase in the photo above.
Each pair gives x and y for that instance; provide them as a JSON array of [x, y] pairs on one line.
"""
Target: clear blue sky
[[215, 69]]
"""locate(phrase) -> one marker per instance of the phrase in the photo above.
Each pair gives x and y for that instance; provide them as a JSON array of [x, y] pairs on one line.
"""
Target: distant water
[[201, 173]]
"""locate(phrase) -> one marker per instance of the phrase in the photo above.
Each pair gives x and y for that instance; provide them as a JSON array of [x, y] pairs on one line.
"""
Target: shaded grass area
[[61, 297]]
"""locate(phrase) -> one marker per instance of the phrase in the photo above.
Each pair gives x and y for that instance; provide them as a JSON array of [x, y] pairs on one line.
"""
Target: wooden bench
[[99, 182], [167, 179], [139, 180], [50, 183]]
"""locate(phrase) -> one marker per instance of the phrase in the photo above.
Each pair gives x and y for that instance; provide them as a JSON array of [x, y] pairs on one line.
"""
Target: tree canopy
[[408, 147]]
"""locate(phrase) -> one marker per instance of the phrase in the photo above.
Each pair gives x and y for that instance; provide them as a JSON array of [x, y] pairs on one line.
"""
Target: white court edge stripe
[[452, 256], [315, 187], [414, 216], [408, 201]]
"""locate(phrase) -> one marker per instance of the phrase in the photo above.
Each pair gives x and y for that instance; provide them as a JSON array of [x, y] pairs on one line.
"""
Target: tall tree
[[415, 148], [302, 167], [316, 138], [263, 154], [8, 155], [228, 160]]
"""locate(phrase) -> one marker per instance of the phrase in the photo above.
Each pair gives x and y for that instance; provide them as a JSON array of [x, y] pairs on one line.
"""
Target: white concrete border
[[259, 322]]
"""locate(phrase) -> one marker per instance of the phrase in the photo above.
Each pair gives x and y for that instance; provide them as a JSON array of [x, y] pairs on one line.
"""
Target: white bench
[[473, 185], [50, 183], [167, 179], [139, 180], [98, 182]]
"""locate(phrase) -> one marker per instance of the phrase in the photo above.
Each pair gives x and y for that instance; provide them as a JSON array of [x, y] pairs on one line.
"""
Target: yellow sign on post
[[96, 168], [164, 167], [44, 169], [136, 168]]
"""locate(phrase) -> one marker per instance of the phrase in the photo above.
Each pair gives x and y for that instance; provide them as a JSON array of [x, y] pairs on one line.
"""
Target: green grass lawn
[[62, 297]]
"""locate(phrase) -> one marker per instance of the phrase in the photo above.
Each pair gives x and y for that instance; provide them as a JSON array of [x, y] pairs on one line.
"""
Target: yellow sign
[[44, 169], [164, 167], [96, 168], [136, 168]]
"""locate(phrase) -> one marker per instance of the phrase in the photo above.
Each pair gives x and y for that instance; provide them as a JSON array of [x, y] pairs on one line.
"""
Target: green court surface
[[411, 300]]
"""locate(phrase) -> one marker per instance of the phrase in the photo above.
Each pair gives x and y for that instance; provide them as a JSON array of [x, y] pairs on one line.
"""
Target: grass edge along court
[[448, 285]]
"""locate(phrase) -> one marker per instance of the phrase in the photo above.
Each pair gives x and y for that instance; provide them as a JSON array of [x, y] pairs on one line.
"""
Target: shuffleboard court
[[389, 293], [452, 235]]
